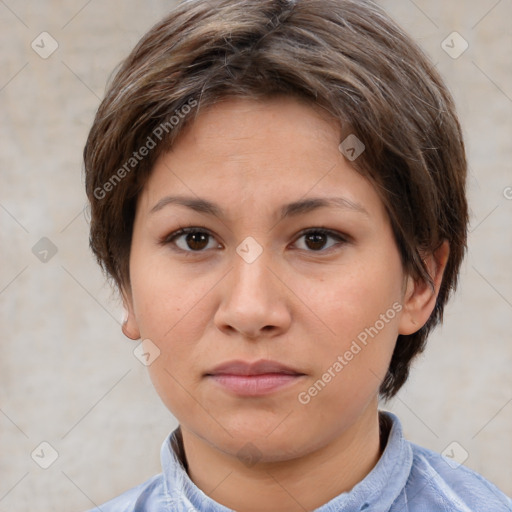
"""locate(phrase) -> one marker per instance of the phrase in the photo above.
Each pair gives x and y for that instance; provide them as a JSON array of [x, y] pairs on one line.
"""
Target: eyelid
[[327, 231], [168, 239]]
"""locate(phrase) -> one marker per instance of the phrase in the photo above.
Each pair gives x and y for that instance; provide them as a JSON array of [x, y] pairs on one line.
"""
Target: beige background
[[69, 377]]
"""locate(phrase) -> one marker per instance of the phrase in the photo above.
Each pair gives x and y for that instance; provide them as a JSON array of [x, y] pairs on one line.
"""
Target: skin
[[297, 303]]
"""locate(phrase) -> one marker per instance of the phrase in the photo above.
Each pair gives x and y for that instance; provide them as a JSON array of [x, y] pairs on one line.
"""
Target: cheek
[[166, 300], [360, 310], [350, 366], [173, 312], [355, 297]]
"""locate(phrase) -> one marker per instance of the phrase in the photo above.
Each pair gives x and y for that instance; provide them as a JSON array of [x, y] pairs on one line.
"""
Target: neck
[[305, 482]]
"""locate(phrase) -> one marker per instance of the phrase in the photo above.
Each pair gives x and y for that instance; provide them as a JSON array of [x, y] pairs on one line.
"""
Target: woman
[[278, 191]]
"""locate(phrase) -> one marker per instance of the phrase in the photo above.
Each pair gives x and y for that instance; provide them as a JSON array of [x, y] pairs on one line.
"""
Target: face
[[312, 293]]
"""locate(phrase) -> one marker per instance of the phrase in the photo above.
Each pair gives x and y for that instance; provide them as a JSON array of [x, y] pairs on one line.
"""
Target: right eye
[[191, 239]]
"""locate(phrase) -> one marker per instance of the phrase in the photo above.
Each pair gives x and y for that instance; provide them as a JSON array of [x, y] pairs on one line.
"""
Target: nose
[[254, 300]]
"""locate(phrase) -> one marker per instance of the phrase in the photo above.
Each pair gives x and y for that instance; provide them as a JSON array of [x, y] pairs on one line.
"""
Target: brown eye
[[190, 239], [197, 240], [315, 240]]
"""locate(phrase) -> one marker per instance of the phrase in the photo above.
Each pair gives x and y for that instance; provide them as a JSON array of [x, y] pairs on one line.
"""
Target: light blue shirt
[[407, 478]]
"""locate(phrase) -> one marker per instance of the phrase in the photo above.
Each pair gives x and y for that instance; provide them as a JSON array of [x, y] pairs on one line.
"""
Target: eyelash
[[341, 239]]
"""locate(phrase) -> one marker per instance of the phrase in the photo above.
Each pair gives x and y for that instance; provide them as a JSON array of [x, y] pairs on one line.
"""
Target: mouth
[[254, 379]]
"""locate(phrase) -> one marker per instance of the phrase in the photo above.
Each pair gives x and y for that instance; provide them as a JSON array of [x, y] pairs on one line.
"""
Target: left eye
[[315, 239], [197, 240]]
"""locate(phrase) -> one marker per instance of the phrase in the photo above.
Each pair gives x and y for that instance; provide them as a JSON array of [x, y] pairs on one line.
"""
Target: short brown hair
[[346, 56]]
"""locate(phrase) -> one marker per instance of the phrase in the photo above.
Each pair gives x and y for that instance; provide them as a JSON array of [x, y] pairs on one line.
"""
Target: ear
[[419, 298], [130, 328]]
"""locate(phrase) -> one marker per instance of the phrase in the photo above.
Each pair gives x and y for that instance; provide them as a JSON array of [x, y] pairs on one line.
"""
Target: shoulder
[[451, 486], [145, 497]]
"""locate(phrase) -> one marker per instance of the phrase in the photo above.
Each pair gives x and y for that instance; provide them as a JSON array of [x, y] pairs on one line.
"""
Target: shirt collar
[[376, 492]]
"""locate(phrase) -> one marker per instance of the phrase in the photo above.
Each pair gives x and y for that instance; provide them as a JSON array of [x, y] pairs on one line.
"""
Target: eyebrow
[[288, 210]]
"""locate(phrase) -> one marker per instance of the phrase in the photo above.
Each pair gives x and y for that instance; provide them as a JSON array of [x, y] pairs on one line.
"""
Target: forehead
[[235, 125], [258, 152]]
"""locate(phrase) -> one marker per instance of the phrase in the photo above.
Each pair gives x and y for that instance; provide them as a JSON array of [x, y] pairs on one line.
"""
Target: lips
[[255, 379], [261, 367]]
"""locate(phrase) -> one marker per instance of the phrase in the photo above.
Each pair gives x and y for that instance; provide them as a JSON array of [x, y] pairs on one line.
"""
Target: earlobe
[[129, 327], [130, 330], [419, 297]]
